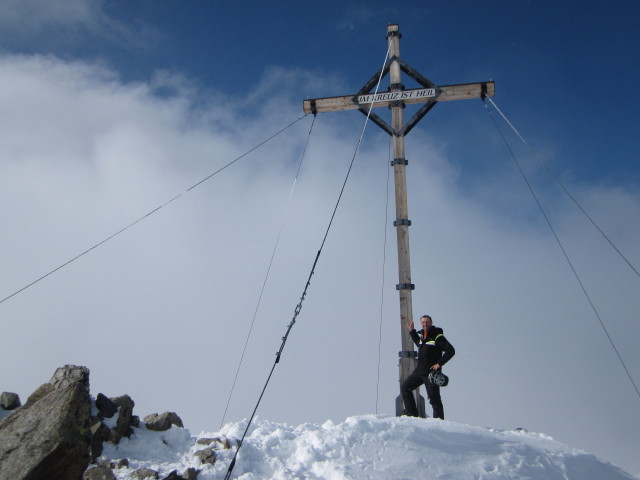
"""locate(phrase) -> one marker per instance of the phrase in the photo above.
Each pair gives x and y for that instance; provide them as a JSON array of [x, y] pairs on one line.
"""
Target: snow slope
[[366, 447]]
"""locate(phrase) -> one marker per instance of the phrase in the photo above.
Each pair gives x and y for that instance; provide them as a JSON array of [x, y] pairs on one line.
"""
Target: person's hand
[[410, 326], [436, 367]]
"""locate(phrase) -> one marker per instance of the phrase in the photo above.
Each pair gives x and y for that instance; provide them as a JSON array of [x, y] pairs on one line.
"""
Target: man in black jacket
[[433, 352]]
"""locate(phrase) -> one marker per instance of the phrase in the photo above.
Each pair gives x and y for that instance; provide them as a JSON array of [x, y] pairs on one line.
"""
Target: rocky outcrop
[[218, 442], [206, 455], [145, 473], [58, 434], [162, 422], [48, 438], [99, 473], [126, 418], [149, 474], [105, 406], [108, 408], [105, 462], [100, 433], [190, 473], [9, 400]]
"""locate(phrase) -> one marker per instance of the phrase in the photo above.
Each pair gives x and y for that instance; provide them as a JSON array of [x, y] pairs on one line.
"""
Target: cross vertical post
[[407, 361], [396, 98]]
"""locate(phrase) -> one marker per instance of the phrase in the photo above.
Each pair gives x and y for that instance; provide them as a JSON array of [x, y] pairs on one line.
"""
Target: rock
[[174, 475], [206, 456], [142, 473], [99, 473], [49, 436], [69, 375], [123, 425], [105, 406], [105, 462], [205, 441], [162, 422], [40, 392], [218, 442], [100, 433], [9, 400], [190, 474]]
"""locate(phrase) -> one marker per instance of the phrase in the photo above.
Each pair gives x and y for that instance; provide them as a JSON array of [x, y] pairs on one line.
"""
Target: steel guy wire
[[382, 286], [564, 252], [135, 222], [308, 283], [566, 191], [264, 283]]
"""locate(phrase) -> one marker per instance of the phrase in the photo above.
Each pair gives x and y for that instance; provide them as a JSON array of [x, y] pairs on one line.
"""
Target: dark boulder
[[191, 473], [174, 475], [163, 421], [69, 375], [142, 473], [100, 433], [125, 418], [206, 456], [105, 406], [121, 463], [9, 400], [48, 438], [99, 473]]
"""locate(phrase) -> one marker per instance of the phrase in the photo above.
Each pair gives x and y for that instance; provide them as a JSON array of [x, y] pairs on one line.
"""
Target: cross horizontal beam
[[384, 99]]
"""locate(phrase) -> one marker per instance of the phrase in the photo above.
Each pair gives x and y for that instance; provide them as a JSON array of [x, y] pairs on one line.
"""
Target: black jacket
[[432, 348]]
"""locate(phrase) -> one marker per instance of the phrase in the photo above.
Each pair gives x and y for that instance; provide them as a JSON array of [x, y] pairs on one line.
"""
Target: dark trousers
[[412, 382]]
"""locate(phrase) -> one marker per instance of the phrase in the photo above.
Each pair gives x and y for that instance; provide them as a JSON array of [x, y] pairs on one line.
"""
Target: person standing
[[434, 350]]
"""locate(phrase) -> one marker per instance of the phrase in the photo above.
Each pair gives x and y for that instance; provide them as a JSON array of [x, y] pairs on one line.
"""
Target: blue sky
[[112, 108], [573, 60]]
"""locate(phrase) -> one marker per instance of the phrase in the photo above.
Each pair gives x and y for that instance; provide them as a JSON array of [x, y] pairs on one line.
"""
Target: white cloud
[[36, 14], [84, 154], [24, 21]]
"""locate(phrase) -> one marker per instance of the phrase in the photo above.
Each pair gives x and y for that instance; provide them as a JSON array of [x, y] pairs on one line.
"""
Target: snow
[[364, 447]]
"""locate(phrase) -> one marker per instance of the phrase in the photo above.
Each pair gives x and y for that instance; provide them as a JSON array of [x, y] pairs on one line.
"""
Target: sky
[[112, 109]]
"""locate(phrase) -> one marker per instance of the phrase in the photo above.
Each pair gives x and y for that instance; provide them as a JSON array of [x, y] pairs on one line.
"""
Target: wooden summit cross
[[396, 98]]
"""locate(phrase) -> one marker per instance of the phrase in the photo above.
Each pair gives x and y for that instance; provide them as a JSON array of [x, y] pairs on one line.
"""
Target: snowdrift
[[366, 447]]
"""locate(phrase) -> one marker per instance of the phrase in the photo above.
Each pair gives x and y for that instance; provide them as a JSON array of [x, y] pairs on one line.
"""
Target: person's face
[[426, 323]]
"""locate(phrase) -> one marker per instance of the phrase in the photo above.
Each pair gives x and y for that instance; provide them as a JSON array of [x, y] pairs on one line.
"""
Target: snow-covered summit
[[365, 447]]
